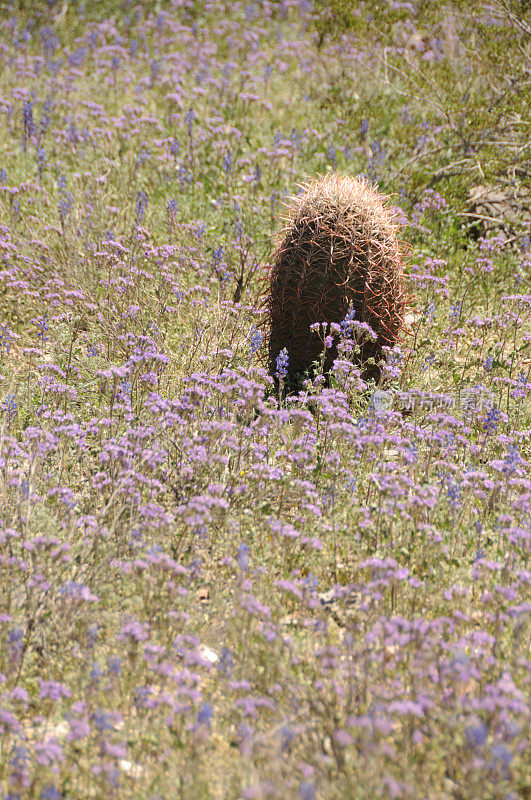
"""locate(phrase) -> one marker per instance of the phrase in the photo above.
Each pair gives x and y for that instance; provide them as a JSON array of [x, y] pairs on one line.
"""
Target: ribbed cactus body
[[339, 251]]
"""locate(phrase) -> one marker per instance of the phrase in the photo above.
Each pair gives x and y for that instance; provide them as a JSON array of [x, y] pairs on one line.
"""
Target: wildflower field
[[210, 590]]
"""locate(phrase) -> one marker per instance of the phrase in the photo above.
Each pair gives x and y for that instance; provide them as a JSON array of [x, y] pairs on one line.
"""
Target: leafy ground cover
[[208, 591]]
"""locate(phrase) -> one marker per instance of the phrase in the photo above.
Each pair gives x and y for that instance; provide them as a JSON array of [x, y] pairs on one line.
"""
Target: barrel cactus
[[339, 255]]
